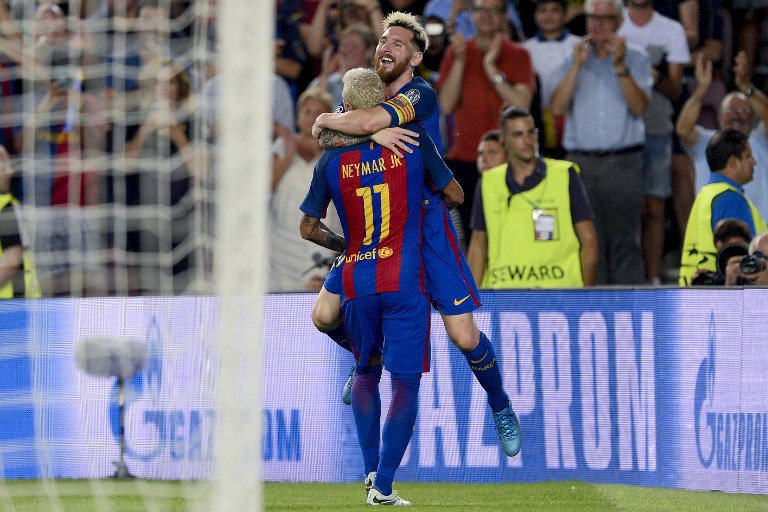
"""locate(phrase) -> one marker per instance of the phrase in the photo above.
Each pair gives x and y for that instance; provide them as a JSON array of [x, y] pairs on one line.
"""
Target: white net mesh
[[123, 130], [108, 123]]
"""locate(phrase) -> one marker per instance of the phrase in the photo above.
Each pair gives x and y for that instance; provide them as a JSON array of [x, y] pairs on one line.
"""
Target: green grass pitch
[[78, 495]]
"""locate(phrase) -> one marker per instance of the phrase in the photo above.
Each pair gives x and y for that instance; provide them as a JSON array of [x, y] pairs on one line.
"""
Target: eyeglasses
[[600, 18], [486, 10]]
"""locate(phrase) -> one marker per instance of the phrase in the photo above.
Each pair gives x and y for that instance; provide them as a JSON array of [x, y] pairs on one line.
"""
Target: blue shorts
[[333, 282], [393, 323], [449, 281], [657, 166]]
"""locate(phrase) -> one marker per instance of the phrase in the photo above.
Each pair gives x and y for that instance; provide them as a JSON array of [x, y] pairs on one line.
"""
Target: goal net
[[135, 140]]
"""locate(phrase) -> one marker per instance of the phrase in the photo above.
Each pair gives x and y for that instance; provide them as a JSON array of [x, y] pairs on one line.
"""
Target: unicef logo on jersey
[[143, 387]]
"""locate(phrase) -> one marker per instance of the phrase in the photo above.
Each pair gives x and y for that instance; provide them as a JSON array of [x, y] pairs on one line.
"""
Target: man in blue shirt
[[730, 159], [604, 91]]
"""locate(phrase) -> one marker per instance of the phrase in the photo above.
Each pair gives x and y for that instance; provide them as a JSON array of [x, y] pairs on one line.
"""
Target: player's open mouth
[[386, 61]]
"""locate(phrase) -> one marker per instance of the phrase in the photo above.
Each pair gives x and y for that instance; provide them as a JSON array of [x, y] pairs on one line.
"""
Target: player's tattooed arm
[[330, 139], [314, 230], [396, 139]]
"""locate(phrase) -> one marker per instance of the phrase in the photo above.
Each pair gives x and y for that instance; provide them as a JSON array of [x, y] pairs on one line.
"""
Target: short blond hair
[[408, 21], [363, 88], [318, 94]]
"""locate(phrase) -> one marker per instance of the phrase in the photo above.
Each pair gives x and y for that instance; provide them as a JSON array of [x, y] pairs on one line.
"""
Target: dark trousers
[[614, 184]]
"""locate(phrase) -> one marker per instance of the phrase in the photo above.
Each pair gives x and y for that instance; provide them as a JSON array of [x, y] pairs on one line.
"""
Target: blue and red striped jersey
[[378, 197], [416, 102]]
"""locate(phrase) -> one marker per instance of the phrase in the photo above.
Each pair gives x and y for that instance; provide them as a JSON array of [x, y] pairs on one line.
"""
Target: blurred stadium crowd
[[108, 114]]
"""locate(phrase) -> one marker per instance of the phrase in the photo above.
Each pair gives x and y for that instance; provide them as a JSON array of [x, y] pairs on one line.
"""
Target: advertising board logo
[[704, 391], [726, 440], [146, 384]]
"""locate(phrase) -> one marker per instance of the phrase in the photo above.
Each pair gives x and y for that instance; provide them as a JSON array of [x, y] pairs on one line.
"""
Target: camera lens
[[728, 252], [752, 264]]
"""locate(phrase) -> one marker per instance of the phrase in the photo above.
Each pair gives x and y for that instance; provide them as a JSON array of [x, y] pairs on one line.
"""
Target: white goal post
[[246, 56]]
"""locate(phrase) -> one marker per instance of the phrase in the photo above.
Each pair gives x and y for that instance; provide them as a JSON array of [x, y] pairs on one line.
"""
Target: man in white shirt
[[664, 40], [745, 110], [549, 48]]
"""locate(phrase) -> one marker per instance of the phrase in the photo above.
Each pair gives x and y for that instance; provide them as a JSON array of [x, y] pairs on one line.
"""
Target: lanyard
[[536, 210]]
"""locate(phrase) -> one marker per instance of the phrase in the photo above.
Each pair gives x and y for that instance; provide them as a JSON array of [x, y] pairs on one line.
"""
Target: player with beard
[[449, 279]]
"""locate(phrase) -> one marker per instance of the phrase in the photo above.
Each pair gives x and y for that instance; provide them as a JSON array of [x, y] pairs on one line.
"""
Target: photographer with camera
[[730, 159], [751, 269], [731, 238]]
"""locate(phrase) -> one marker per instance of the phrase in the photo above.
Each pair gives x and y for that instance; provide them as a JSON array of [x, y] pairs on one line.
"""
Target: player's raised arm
[[396, 139], [356, 122], [417, 103]]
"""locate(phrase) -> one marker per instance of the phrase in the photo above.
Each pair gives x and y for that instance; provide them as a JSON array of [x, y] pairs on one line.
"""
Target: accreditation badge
[[543, 225]]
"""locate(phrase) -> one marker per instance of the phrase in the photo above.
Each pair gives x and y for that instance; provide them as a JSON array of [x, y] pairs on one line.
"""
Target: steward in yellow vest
[[729, 156], [30, 283], [532, 224], [531, 240], [699, 246]]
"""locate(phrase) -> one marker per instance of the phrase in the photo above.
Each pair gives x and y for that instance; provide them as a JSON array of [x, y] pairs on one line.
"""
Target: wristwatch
[[499, 78], [749, 91]]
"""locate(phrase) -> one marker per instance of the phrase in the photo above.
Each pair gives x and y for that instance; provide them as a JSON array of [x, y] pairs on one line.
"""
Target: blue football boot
[[509, 431]]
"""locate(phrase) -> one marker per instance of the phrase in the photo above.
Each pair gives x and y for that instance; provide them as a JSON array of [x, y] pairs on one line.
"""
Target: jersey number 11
[[367, 194]]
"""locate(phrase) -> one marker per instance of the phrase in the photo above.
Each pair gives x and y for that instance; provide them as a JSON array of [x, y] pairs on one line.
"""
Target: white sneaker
[[369, 482], [376, 498]]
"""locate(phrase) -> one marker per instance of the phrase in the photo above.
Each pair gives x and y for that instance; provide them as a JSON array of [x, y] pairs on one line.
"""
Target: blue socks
[[339, 335], [482, 361], [398, 427], [366, 406]]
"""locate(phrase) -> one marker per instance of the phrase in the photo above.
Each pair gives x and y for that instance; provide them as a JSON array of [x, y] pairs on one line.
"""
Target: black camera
[[728, 252], [708, 279], [753, 263], [717, 278]]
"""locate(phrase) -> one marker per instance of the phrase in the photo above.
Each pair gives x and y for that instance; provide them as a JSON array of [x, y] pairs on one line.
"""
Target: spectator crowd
[[109, 125]]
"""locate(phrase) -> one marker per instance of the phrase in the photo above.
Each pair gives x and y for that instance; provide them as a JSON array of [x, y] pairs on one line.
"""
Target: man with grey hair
[[604, 90], [379, 199], [745, 110], [758, 250]]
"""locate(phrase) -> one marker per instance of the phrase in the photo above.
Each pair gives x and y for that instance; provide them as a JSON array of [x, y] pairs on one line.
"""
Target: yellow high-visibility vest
[[699, 246], [31, 284], [518, 257]]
